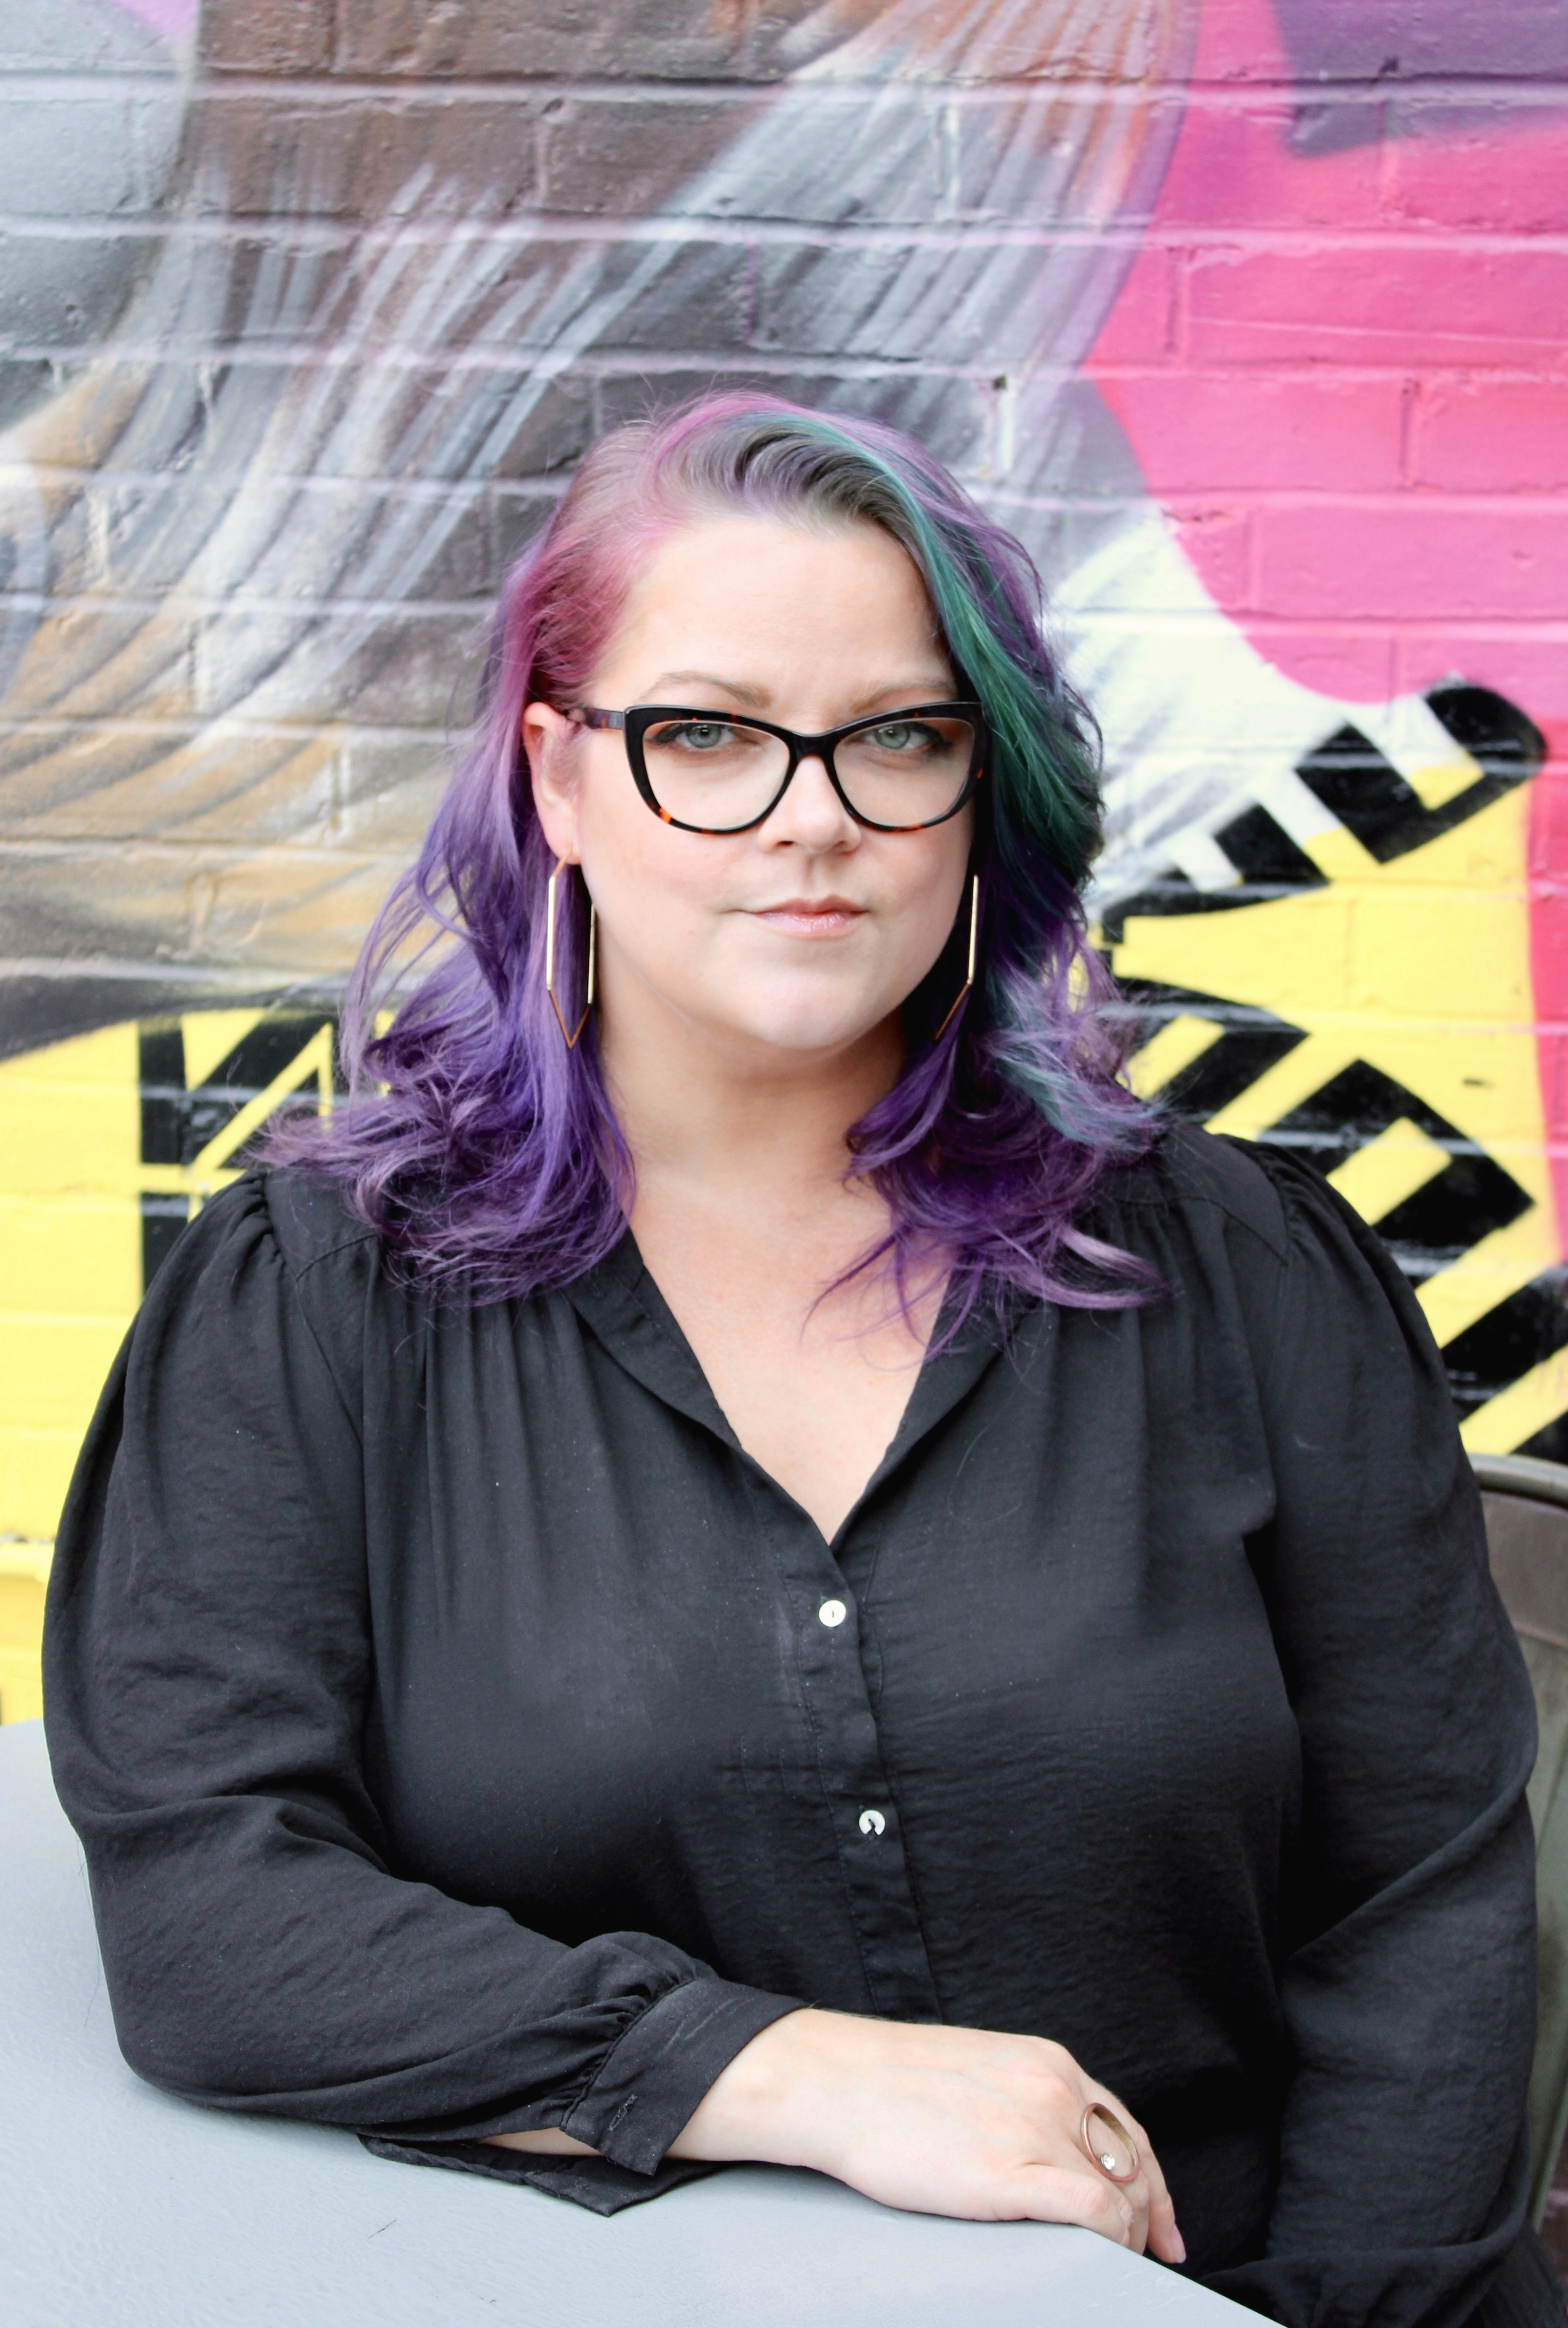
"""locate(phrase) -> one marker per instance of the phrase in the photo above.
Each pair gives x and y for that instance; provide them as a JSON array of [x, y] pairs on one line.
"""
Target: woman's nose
[[811, 811]]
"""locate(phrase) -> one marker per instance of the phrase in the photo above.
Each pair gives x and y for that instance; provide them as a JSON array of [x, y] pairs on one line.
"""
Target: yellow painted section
[[70, 1277], [1420, 968], [1283, 1086], [1337, 855], [1389, 1168], [1174, 1047], [70, 1268], [29, 1562], [211, 1170], [1493, 1269], [210, 1036], [70, 1265], [1517, 1412], [23, 1574], [21, 1631], [1444, 780]]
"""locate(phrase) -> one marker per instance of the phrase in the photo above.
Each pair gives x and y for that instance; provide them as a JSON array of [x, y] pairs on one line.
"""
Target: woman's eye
[[901, 736], [696, 735]]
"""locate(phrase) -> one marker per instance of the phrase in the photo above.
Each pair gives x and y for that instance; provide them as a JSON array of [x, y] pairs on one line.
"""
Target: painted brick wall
[[1250, 316]]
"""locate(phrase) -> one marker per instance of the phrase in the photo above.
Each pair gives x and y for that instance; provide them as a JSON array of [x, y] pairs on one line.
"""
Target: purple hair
[[489, 1161]]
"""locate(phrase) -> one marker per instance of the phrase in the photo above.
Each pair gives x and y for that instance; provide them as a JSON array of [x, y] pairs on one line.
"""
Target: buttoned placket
[[626, 1310], [856, 1793]]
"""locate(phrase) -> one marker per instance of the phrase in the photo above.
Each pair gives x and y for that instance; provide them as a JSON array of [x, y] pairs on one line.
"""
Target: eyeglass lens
[[721, 774]]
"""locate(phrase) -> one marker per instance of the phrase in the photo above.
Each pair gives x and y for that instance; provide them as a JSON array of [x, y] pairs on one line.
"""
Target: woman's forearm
[[944, 2121]]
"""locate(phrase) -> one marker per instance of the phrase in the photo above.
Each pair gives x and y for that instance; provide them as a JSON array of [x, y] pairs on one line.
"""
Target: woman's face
[[807, 932]]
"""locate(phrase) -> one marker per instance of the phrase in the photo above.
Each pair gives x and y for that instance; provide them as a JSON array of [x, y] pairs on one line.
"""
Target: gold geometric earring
[[550, 956], [974, 946]]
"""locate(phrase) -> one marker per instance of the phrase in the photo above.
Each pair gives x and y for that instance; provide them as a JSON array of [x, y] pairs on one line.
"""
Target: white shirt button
[[832, 1612], [871, 1823]]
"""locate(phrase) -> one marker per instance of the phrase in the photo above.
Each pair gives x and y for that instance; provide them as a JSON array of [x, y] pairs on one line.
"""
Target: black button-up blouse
[[466, 1734]]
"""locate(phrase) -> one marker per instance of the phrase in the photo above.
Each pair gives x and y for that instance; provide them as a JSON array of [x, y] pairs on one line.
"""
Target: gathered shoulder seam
[[1186, 1175], [353, 1235], [297, 1272]]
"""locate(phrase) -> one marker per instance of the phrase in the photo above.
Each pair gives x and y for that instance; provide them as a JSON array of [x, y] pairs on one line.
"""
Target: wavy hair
[[487, 1156]]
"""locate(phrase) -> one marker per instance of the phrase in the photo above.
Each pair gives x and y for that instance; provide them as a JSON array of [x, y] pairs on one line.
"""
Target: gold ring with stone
[[1100, 2150]]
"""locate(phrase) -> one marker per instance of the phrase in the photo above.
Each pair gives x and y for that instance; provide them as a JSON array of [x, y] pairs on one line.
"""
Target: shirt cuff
[[659, 2068], [591, 2183]]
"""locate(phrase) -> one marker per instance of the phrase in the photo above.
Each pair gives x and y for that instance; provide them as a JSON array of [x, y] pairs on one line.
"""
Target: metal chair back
[[1526, 1512]]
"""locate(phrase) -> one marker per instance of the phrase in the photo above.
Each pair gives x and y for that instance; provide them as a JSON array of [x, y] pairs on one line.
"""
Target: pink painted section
[[1364, 442], [1345, 392], [173, 19], [1548, 878]]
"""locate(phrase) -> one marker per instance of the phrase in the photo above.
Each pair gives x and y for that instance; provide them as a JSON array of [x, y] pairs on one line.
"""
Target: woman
[[750, 1561]]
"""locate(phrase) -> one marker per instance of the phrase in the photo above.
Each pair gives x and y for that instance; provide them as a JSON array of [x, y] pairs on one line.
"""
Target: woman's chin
[[795, 1032]]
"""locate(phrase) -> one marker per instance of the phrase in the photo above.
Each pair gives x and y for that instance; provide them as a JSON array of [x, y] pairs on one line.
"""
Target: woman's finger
[[1059, 2194], [1163, 2238]]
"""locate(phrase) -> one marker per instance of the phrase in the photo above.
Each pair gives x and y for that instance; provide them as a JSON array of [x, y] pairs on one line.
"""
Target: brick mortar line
[[740, 87], [1396, 500], [1532, 92], [77, 602], [233, 851], [630, 365], [628, 362], [160, 970], [1393, 629], [413, 491], [230, 853], [63, 726], [396, 735], [527, 229]]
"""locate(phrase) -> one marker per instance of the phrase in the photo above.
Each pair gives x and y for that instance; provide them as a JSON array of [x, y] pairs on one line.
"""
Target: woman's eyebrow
[[757, 696], [929, 687]]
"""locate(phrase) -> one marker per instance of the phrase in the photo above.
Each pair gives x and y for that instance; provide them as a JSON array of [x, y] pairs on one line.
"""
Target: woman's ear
[[548, 741]]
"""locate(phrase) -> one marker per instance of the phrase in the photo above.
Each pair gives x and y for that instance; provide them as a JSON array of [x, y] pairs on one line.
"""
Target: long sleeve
[[1408, 1977], [209, 1671]]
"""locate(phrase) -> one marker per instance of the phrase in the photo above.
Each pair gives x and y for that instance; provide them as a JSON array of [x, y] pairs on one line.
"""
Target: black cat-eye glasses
[[718, 772]]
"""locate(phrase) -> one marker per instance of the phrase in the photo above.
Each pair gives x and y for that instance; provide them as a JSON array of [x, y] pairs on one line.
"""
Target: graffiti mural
[[1251, 316]]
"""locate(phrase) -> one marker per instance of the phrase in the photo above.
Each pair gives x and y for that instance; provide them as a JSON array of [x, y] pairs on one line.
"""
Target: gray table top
[[125, 2209]]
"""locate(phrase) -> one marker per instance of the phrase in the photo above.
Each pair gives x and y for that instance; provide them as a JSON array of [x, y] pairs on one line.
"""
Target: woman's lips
[[810, 917]]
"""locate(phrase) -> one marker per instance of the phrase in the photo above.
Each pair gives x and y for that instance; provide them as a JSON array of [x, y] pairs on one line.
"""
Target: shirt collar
[[618, 1301]]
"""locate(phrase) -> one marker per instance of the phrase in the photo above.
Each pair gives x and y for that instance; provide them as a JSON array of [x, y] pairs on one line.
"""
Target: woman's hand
[[943, 2121]]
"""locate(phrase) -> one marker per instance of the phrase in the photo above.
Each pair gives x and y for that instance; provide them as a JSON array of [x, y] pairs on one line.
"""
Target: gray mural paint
[[274, 484]]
